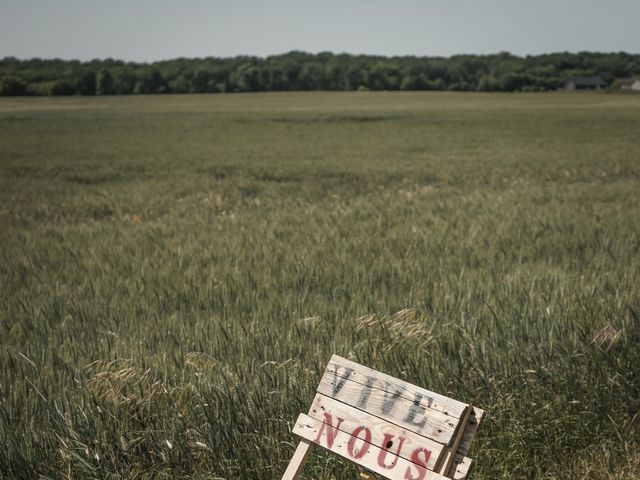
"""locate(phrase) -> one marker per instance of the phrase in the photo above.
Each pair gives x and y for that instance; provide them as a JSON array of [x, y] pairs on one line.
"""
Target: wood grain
[[475, 419], [350, 418], [386, 425], [461, 468], [296, 464], [363, 453], [410, 413], [361, 374], [450, 452]]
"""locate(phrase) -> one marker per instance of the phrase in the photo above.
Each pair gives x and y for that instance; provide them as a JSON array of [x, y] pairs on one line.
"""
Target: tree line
[[295, 71]]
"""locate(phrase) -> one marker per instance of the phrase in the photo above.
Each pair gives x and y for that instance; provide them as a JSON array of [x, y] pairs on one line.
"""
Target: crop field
[[176, 271]]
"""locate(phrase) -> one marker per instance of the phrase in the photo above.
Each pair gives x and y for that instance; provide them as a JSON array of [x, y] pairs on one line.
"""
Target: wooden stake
[[298, 460], [450, 454]]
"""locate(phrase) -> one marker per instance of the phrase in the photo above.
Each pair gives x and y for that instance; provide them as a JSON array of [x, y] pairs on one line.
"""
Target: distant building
[[628, 84], [584, 83]]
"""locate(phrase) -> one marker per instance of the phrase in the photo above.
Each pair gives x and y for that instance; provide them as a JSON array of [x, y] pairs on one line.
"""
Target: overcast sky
[[163, 29]]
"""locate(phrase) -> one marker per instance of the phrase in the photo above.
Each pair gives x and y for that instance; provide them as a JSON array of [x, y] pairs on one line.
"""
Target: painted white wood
[[461, 468], [412, 413], [446, 461], [356, 449], [363, 375], [386, 425], [296, 464], [348, 419]]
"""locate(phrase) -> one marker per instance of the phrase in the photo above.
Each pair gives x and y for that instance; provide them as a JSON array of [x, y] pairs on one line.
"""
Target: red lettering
[[387, 443], [331, 430], [420, 464], [366, 442]]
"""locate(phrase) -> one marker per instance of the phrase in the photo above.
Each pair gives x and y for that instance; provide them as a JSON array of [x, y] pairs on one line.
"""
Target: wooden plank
[[450, 452], [461, 468], [410, 413], [367, 376], [475, 419], [347, 419], [305, 447], [356, 449]]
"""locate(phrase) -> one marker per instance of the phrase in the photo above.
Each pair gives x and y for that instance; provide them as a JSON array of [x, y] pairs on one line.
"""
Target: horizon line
[[265, 57]]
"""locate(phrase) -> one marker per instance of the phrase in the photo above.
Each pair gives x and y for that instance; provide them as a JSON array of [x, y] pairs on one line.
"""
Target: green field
[[177, 270]]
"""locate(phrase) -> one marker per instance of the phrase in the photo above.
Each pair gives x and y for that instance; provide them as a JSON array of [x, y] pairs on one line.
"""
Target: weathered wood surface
[[475, 419], [296, 464], [462, 465], [373, 379], [388, 426], [461, 468], [399, 440], [444, 464], [357, 448], [392, 400]]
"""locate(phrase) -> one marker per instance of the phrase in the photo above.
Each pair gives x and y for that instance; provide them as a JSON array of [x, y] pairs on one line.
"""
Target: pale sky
[[163, 29]]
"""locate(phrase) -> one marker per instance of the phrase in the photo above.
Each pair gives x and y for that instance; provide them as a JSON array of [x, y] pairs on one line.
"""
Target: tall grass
[[177, 271]]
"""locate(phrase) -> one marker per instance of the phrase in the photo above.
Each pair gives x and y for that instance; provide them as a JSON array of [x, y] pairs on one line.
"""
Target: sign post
[[389, 427]]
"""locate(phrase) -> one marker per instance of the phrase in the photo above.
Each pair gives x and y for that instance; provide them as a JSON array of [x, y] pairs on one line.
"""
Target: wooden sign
[[390, 427]]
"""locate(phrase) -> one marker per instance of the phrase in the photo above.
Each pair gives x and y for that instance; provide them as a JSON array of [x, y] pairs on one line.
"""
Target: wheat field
[[177, 270]]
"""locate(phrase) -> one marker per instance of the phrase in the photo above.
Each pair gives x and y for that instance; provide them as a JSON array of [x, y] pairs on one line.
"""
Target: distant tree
[[85, 83], [356, 77], [62, 87], [334, 75], [11, 85], [247, 78], [309, 77], [180, 85], [437, 84], [517, 81], [150, 81], [41, 88], [275, 78], [488, 83], [104, 83], [124, 82], [303, 71], [378, 77], [201, 81], [414, 79]]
